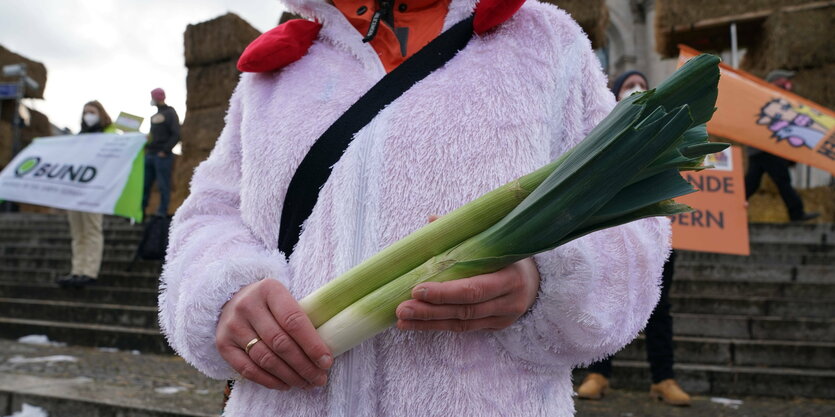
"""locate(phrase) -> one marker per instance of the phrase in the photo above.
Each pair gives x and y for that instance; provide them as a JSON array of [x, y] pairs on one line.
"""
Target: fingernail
[[405, 313], [325, 361], [419, 293], [320, 380]]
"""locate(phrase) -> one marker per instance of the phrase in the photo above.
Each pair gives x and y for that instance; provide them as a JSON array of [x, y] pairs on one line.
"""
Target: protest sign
[[96, 173], [719, 221]]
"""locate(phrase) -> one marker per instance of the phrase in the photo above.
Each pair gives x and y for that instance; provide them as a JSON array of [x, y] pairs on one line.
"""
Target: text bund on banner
[[95, 173], [719, 221], [755, 113]]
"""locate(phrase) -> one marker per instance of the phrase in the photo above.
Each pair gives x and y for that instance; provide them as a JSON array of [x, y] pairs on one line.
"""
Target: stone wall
[[212, 49]]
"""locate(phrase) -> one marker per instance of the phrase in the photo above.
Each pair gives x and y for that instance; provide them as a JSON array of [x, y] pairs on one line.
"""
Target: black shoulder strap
[[315, 168]]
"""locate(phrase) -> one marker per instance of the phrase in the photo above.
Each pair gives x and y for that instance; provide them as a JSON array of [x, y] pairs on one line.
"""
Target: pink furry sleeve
[[211, 254], [597, 292]]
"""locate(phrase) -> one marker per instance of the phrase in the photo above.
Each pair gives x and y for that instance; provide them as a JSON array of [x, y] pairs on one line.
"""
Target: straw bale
[[794, 40], [705, 24], [669, 13], [767, 206], [5, 144], [817, 84], [202, 128], [221, 39], [211, 85], [34, 70], [592, 15], [181, 177]]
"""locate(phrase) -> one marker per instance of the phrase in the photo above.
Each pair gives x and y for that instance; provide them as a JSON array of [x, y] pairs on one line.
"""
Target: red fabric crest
[[279, 47], [491, 13]]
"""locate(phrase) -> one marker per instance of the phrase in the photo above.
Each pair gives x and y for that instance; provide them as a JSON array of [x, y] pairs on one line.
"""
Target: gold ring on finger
[[251, 344]]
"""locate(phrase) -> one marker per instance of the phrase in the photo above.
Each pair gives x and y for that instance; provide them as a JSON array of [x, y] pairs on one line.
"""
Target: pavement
[[619, 403], [66, 379], [142, 384]]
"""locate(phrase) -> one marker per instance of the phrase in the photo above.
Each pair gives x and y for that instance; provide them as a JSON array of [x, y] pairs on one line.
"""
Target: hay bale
[[201, 129], [211, 85], [183, 171], [767, 206], [670, 13], [705, 25], [5, 144], [220, 39], [592, 15], [794, 40], [817, 84], [35, 70]]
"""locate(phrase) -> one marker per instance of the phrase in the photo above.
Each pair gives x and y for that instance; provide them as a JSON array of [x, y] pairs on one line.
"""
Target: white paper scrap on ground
[[727, 402], [169, 390], [108, 349], [30, 411], [39, 339], [54, 358]]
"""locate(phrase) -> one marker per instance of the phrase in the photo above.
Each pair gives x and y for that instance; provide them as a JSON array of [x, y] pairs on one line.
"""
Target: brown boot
[[670, 392], [593, 387]]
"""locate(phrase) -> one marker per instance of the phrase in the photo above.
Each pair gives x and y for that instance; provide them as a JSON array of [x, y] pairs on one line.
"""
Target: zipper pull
[[384, 10]]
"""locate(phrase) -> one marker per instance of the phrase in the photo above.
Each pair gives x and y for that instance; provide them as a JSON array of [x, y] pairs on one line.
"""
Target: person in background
[[761, 162], [159, 158], [659, 330], [86, 228]]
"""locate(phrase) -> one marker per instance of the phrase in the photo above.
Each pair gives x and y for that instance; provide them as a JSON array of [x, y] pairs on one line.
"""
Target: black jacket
[[165, 130]]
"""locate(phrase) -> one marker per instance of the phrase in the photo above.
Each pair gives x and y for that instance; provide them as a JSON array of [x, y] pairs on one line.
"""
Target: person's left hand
[[483, 302]]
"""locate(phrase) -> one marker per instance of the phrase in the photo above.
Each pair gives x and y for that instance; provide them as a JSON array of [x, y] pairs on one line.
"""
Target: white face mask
[[91, 119], [627, 93], [153, 103]]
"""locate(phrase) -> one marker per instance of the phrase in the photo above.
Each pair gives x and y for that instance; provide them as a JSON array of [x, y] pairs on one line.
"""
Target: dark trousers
[[778, 169], [158, 168], [658, 333]]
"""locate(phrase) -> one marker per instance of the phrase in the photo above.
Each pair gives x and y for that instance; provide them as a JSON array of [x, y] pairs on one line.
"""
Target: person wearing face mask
[[159, 159], [86, 228], [659, 330]]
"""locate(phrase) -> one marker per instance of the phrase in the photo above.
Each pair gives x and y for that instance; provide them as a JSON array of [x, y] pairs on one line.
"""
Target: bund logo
[[28, 165]]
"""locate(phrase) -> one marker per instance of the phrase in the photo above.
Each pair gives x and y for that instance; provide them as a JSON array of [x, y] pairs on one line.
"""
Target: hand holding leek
[[626, 169]]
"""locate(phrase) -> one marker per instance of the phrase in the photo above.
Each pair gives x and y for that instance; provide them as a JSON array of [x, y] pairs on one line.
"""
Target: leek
[[627, 168]]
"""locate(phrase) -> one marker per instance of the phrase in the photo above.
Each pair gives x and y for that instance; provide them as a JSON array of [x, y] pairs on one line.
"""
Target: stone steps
[[80, 312], [86, 334], [92, 294], [792, 290], [753, 306], [821, 274], [729, 381], [754, 328], [802, 255], [740, 352], [59, 251], [758, 325], [143, 275]]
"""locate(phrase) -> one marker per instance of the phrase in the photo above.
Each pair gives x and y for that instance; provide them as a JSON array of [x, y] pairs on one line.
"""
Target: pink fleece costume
[[512, 100]]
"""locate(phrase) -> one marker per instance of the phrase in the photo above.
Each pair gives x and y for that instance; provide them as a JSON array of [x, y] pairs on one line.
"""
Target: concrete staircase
[[758, 325], [762, 325], [119, 312]]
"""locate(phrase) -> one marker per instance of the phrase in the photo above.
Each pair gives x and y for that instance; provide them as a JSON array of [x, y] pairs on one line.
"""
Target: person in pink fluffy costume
[[526, 88]]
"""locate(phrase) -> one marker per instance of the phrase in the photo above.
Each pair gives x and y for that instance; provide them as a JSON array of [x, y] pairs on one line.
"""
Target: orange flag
[[755, 113]]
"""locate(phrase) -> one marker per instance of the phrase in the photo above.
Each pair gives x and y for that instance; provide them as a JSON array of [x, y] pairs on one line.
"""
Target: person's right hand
[[290, 352]]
